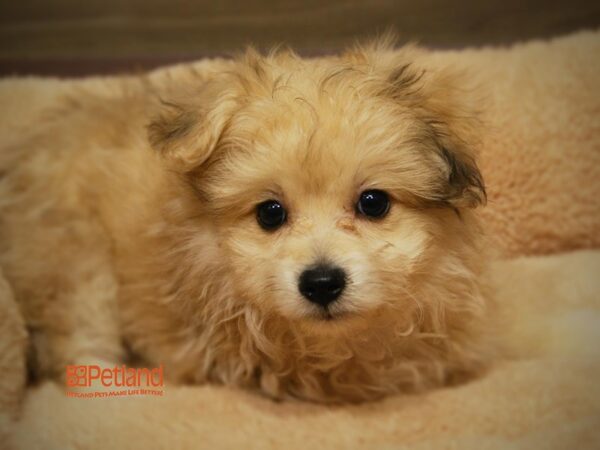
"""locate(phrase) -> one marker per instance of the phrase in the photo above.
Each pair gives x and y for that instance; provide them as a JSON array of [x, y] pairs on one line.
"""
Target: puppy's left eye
[[270, 214], [373, 203]]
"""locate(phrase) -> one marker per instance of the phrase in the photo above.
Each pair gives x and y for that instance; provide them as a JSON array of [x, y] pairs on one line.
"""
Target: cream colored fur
[[541, 199], [107, 238], [12, 359], [545, 396], [542, 126]]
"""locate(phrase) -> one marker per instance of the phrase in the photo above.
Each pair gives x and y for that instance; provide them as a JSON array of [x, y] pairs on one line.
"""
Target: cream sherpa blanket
[[541, 162]]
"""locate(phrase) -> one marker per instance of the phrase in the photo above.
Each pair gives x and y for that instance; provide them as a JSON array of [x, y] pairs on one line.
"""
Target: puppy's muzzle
[[322, 284]]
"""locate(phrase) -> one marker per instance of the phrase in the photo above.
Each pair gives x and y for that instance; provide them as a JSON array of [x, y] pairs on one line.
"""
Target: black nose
[[322, 284]]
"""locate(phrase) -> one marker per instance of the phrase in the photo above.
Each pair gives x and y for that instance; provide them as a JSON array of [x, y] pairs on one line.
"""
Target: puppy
[[301, 227]]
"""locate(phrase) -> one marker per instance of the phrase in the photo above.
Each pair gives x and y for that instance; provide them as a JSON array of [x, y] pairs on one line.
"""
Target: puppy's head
[[334, 185]]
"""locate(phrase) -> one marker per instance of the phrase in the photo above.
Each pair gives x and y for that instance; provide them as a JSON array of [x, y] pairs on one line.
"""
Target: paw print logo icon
[[77, 376]]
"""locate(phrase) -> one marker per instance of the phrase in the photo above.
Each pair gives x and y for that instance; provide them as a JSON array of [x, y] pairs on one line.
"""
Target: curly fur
[[111, 235]]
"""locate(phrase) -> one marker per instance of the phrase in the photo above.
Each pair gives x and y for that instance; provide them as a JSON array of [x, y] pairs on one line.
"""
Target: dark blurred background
[[78, 37]]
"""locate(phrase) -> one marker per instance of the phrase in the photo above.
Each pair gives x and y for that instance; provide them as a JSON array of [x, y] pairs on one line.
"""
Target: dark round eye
[[270, 214], [373, 203]]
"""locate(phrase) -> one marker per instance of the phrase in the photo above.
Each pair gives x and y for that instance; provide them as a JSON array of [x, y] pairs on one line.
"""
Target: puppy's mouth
[[327, 314], [331, 321]]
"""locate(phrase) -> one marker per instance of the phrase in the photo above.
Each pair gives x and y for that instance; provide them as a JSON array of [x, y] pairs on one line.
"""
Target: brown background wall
[[85, 36]]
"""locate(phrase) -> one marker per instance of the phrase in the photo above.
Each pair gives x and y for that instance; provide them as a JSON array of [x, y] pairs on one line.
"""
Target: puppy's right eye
[[373, 203], [270, 214]]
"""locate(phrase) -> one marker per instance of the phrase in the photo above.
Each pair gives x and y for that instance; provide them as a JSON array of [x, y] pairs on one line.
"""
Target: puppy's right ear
[[186, 132]]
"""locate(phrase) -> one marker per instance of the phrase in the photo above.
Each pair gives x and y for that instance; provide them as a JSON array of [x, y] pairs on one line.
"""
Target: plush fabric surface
[[546, 397], [541, 157], [541, 162]]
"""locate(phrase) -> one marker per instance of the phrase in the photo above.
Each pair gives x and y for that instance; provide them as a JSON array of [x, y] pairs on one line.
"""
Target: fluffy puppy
[[304, 227]]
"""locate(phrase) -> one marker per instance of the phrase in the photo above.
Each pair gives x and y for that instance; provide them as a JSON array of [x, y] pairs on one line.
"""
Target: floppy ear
[[464, 186], [186, 132], [447, 106], [455, 129]]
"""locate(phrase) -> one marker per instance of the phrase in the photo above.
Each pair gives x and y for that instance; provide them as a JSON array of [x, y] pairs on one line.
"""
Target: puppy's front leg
[[12, 358], [83, 328], [66, 289]]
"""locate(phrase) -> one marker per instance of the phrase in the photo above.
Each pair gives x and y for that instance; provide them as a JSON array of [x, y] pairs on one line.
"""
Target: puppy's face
[[332, 184]]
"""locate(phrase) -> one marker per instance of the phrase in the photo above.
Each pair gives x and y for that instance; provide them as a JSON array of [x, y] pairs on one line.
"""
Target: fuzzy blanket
[[541, 162]]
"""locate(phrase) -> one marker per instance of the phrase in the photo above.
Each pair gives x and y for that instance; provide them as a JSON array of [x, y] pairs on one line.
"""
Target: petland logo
[[134, 381]]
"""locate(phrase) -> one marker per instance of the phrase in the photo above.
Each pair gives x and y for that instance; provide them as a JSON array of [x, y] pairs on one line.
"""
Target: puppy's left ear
[[448, 106], [464, 186], [186, 131]]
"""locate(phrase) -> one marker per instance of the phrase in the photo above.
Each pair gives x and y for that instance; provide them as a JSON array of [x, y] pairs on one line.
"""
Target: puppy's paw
[[13, 341]]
